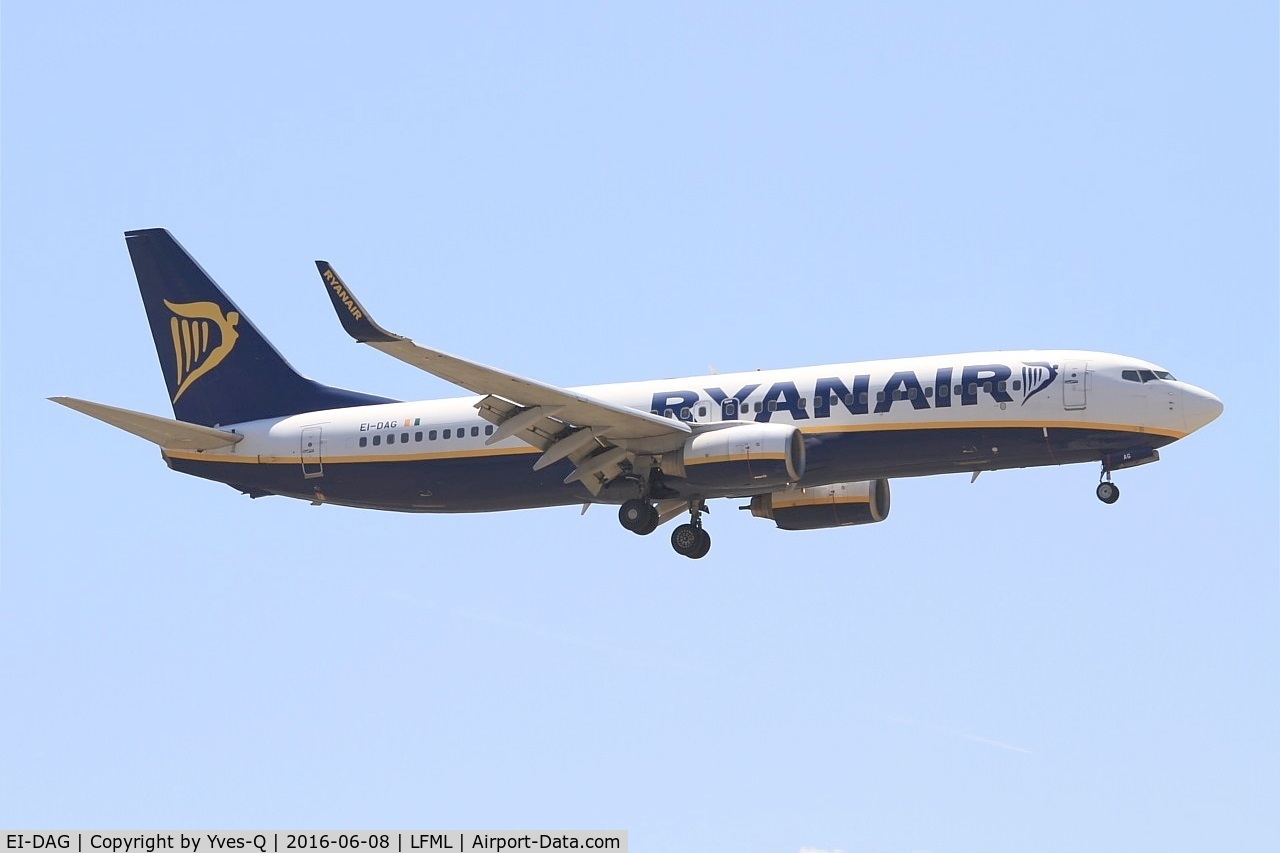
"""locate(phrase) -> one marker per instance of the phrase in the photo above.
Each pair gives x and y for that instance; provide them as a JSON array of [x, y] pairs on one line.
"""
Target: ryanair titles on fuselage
[[903, 387]]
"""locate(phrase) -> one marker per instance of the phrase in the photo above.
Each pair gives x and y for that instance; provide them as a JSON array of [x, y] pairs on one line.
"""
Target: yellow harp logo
[[195, 325]]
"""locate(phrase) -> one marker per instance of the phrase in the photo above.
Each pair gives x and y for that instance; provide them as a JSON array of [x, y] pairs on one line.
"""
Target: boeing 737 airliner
[[810, 447]]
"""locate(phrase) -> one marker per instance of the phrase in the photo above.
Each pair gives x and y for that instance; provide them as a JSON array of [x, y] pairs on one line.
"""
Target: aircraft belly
[[489, 483]]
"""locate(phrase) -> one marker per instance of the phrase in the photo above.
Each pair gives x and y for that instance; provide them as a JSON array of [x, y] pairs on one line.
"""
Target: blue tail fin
[[218, 366]]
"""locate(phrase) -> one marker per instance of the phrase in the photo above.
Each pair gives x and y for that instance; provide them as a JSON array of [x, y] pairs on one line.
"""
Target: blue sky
[[588, 194]]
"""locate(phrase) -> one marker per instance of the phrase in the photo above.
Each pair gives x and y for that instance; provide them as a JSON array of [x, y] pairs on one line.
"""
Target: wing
[[602, 439], [173, 435]]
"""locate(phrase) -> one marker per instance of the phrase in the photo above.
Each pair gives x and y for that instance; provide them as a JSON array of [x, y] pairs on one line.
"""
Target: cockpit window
[[1146, 375]]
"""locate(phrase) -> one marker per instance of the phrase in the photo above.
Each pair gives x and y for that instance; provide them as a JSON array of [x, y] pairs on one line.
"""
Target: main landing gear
[[640, 517], [690, 540]]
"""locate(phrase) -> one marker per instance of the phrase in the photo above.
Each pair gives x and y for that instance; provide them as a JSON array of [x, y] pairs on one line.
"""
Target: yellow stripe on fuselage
[[339, 459], [874, 427], [483, 453]]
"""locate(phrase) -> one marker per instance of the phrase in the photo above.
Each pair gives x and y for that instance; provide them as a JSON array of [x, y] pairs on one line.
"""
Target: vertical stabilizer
[[218, 367]]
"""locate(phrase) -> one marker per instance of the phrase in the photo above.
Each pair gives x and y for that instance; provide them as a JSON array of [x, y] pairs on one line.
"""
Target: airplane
[[807, 448]]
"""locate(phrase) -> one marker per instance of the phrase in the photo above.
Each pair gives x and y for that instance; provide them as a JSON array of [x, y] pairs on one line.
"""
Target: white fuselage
[[983, 394]]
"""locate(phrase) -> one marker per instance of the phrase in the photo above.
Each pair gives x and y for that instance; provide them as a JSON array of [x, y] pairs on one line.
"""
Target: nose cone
[[1199, 407]]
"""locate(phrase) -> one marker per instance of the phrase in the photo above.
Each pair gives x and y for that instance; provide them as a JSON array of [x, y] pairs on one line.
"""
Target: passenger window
[[959, 390], [944, 390], [848, 398], [702, 411], [417, 436], [759, 406], [879, 396], [448, 433], [1001, 385], [404, 438], [377, 439], [364, 441], [986, 386], [391, 438], [928, 392], [862, 398], [475, 431], [431, 436], [488, 430], [973, 388], [801, 402], [911, 393], [685, 414], [1017, 384]]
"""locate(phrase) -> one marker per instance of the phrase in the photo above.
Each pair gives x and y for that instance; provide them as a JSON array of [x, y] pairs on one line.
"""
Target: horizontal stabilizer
[[174, 435]]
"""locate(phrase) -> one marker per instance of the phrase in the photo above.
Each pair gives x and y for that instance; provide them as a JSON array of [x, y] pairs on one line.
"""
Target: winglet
[[351, 313]]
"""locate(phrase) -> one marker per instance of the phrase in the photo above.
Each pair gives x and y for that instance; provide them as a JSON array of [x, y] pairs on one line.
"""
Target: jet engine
[[837, 505], [741, 456]]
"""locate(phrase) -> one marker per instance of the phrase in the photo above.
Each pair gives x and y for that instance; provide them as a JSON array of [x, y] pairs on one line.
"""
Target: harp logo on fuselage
[[202, 338]]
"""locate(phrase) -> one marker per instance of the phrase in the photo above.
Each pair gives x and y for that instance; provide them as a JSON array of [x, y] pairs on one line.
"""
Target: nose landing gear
[[1107, 491]]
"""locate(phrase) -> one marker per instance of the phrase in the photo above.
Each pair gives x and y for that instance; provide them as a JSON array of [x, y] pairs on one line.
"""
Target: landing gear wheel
[[704, 548], [691, 541], [1108, 492], [638, 516]]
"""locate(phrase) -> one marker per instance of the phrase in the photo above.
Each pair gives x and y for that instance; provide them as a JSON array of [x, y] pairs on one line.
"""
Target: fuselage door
[[1075, 378], [312, 463]]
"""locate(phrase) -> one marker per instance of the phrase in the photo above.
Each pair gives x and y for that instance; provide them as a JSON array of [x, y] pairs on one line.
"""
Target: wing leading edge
[[602, 439]]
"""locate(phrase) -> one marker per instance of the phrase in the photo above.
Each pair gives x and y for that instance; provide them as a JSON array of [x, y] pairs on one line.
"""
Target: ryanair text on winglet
[[345, 298]]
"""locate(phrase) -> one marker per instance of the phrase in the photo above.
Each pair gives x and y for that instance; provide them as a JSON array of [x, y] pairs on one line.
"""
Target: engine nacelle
[[743, 456], [837, 505]]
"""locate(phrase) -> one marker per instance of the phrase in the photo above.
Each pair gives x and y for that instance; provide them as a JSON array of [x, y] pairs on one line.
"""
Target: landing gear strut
[[690, 540], [1108, 492], [638, 516]]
